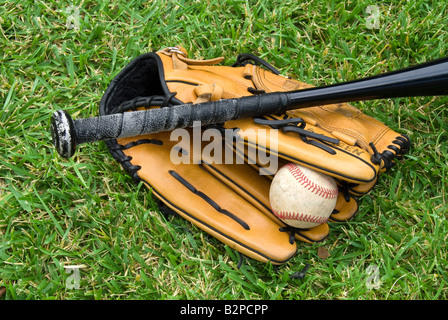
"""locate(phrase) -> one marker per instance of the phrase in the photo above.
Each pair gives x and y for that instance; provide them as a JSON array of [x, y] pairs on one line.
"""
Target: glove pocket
[[197, 196]]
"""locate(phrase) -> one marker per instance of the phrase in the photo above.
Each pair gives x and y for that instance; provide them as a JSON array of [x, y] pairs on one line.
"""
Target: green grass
[[86, 211]]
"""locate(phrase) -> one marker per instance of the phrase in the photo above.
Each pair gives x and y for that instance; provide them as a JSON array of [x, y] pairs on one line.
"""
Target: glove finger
[[346, 208], [358, 129], [338, 160]]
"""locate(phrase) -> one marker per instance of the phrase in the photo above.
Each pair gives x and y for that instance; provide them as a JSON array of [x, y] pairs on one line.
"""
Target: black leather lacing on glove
[[297, 125], [400, 147], [292, 231], [147, 102], [133, 105], [245, 58]]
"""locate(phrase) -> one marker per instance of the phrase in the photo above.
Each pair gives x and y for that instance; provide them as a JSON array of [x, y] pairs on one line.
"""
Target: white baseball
[[301, 197]]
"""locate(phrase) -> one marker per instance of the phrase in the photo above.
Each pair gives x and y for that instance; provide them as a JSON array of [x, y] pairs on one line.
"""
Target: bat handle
[[68, 133]]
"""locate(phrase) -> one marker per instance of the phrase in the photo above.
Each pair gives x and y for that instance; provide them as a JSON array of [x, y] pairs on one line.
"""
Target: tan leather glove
[[226, 192]]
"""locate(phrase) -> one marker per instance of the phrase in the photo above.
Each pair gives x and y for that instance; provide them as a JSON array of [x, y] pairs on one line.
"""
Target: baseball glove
[[218, 177]]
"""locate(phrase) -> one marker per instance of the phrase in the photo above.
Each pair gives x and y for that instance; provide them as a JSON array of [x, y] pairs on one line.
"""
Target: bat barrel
[[427, 79]]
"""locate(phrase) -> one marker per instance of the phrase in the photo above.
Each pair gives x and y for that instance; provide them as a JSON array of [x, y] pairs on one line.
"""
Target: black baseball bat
[[426, 79]]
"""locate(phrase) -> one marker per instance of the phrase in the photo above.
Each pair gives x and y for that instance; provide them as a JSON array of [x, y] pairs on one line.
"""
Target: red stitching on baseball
[[310, 185], [287, 215]]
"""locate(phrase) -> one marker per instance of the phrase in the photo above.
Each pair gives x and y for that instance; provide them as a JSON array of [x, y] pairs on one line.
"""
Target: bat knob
[[63, 133]]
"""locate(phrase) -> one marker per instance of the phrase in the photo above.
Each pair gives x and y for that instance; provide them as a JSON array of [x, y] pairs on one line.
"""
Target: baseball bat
[[426, 79]]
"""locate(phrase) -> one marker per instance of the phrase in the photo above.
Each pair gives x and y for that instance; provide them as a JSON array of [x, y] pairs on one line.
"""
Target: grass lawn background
[[87, 212]]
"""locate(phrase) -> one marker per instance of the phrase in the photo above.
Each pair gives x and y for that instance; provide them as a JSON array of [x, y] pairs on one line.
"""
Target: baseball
[[301, 197]]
